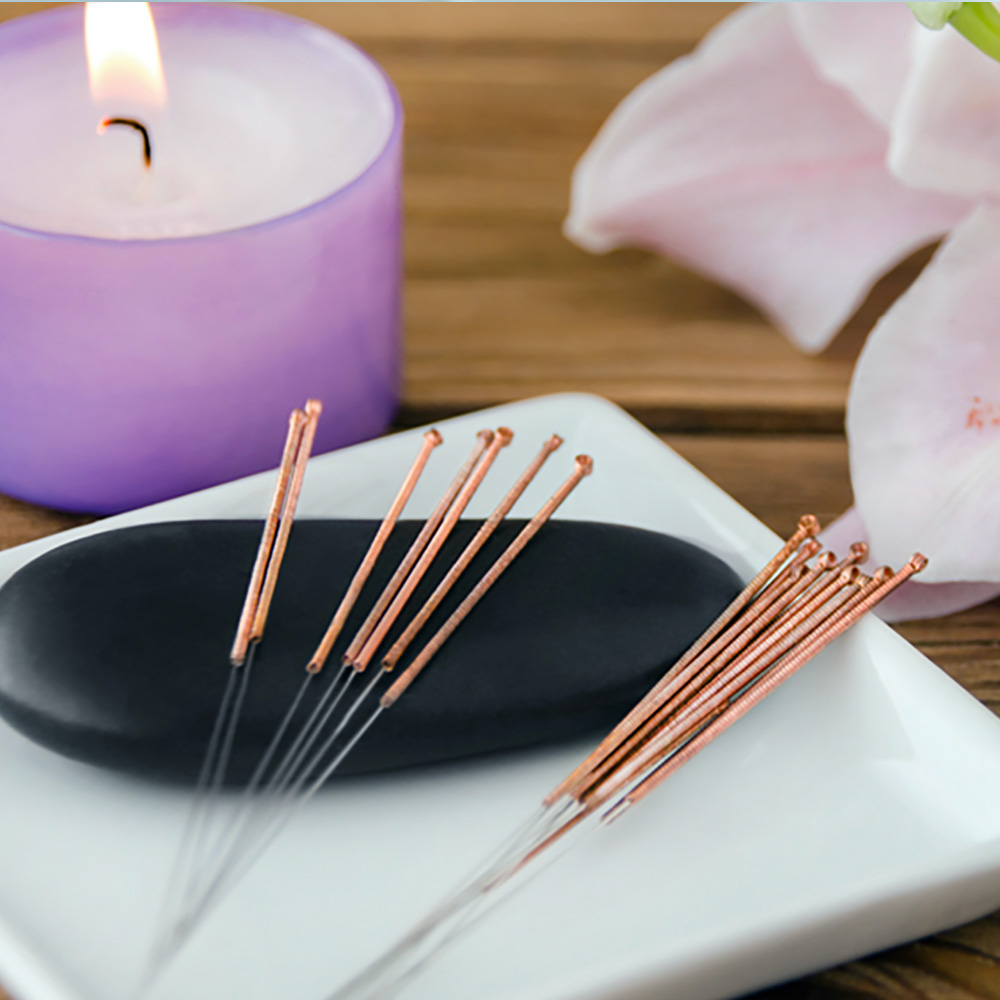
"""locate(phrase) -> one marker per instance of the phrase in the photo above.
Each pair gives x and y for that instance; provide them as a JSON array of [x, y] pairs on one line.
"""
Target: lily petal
[[946, 130], [741, 162], [934, 600], [862, 47], [915, 599], [923, 417]]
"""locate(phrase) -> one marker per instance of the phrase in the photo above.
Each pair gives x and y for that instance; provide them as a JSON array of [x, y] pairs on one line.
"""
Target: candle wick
[[147, 145]]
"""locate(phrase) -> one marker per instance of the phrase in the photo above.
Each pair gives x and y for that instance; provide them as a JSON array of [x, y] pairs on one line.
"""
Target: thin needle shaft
[[833, 600], [292, 489], [260, 588]]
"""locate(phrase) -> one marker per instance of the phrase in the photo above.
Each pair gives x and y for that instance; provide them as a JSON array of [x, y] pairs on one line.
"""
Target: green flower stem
[[980, 24]]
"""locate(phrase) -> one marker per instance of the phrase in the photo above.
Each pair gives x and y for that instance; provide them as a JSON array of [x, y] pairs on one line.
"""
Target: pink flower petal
[[915, 599], [840, 535], [863, 47], [741, 162], [946, 130], [934, 600], [924, 414]]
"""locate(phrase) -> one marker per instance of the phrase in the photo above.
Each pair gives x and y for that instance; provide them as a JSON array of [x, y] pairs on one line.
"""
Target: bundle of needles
[[795, 606], [214, 854]]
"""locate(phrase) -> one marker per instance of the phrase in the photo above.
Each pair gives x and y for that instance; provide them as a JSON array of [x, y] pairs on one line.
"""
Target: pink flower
[[799, 154]]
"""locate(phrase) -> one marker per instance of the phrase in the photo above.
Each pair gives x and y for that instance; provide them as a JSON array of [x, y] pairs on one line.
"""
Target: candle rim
[[387, 150]]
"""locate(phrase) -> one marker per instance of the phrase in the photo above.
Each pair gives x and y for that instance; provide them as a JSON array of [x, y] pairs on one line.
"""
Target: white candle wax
[[258, 124]]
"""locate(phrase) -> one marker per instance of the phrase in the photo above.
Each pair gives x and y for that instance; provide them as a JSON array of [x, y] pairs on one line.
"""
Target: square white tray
[[854, 809]]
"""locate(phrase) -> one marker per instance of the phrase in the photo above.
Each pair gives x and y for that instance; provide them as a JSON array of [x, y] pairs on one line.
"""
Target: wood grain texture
[[501, 99]]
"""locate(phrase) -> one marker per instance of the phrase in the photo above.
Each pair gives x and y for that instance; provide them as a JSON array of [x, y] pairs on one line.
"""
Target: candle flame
[[123, 55]]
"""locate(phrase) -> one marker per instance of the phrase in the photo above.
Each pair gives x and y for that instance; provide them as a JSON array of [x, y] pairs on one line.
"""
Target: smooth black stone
[[114, 648]]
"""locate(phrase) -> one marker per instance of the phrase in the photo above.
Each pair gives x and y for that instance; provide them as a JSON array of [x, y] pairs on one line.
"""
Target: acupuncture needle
[[464, 906], [435, 529], [582, 467], [885, 581], [249, 633], [686, 721], [676, 736], [483, 535], [236, 828], [817, 604], [814, 588], [664, 727], [337, 689], [501, 439], [735, 681], [238, 660], [431, 439], [323, 711], [471, 476], [765, 597], [483, 440], [298, 795], [313, 409], [556, 809], [838, 598], [769, 602], [808, 527]]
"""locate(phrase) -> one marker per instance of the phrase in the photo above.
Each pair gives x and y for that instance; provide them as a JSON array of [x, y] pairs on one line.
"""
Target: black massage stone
[[114, 649]]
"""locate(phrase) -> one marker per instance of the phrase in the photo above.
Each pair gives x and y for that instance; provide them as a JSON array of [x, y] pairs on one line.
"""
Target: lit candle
[[158, 318]]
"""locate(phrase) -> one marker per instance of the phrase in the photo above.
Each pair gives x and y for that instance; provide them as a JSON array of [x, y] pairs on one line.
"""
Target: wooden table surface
[[501, 99]]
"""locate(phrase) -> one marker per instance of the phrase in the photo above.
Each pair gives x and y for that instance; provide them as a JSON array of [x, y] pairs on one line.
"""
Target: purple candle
[[157, 323]]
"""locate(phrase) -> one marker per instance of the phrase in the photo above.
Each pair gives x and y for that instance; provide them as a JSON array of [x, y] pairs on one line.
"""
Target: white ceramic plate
[[856, 808]]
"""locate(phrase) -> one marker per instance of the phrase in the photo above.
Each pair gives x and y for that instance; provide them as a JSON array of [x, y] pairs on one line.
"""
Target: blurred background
[[501, 99], [500, 102]]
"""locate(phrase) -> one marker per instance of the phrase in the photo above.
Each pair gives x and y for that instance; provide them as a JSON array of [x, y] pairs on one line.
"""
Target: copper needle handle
[[483, 440], [705, 670], [238, 654], [501, 439], [313, 409], [624, 776], [808, 527], [685, 684], [791, 621], [431, 440], [676, 722], [886, 582], [583, 466], [841, 618], [479, 540]]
